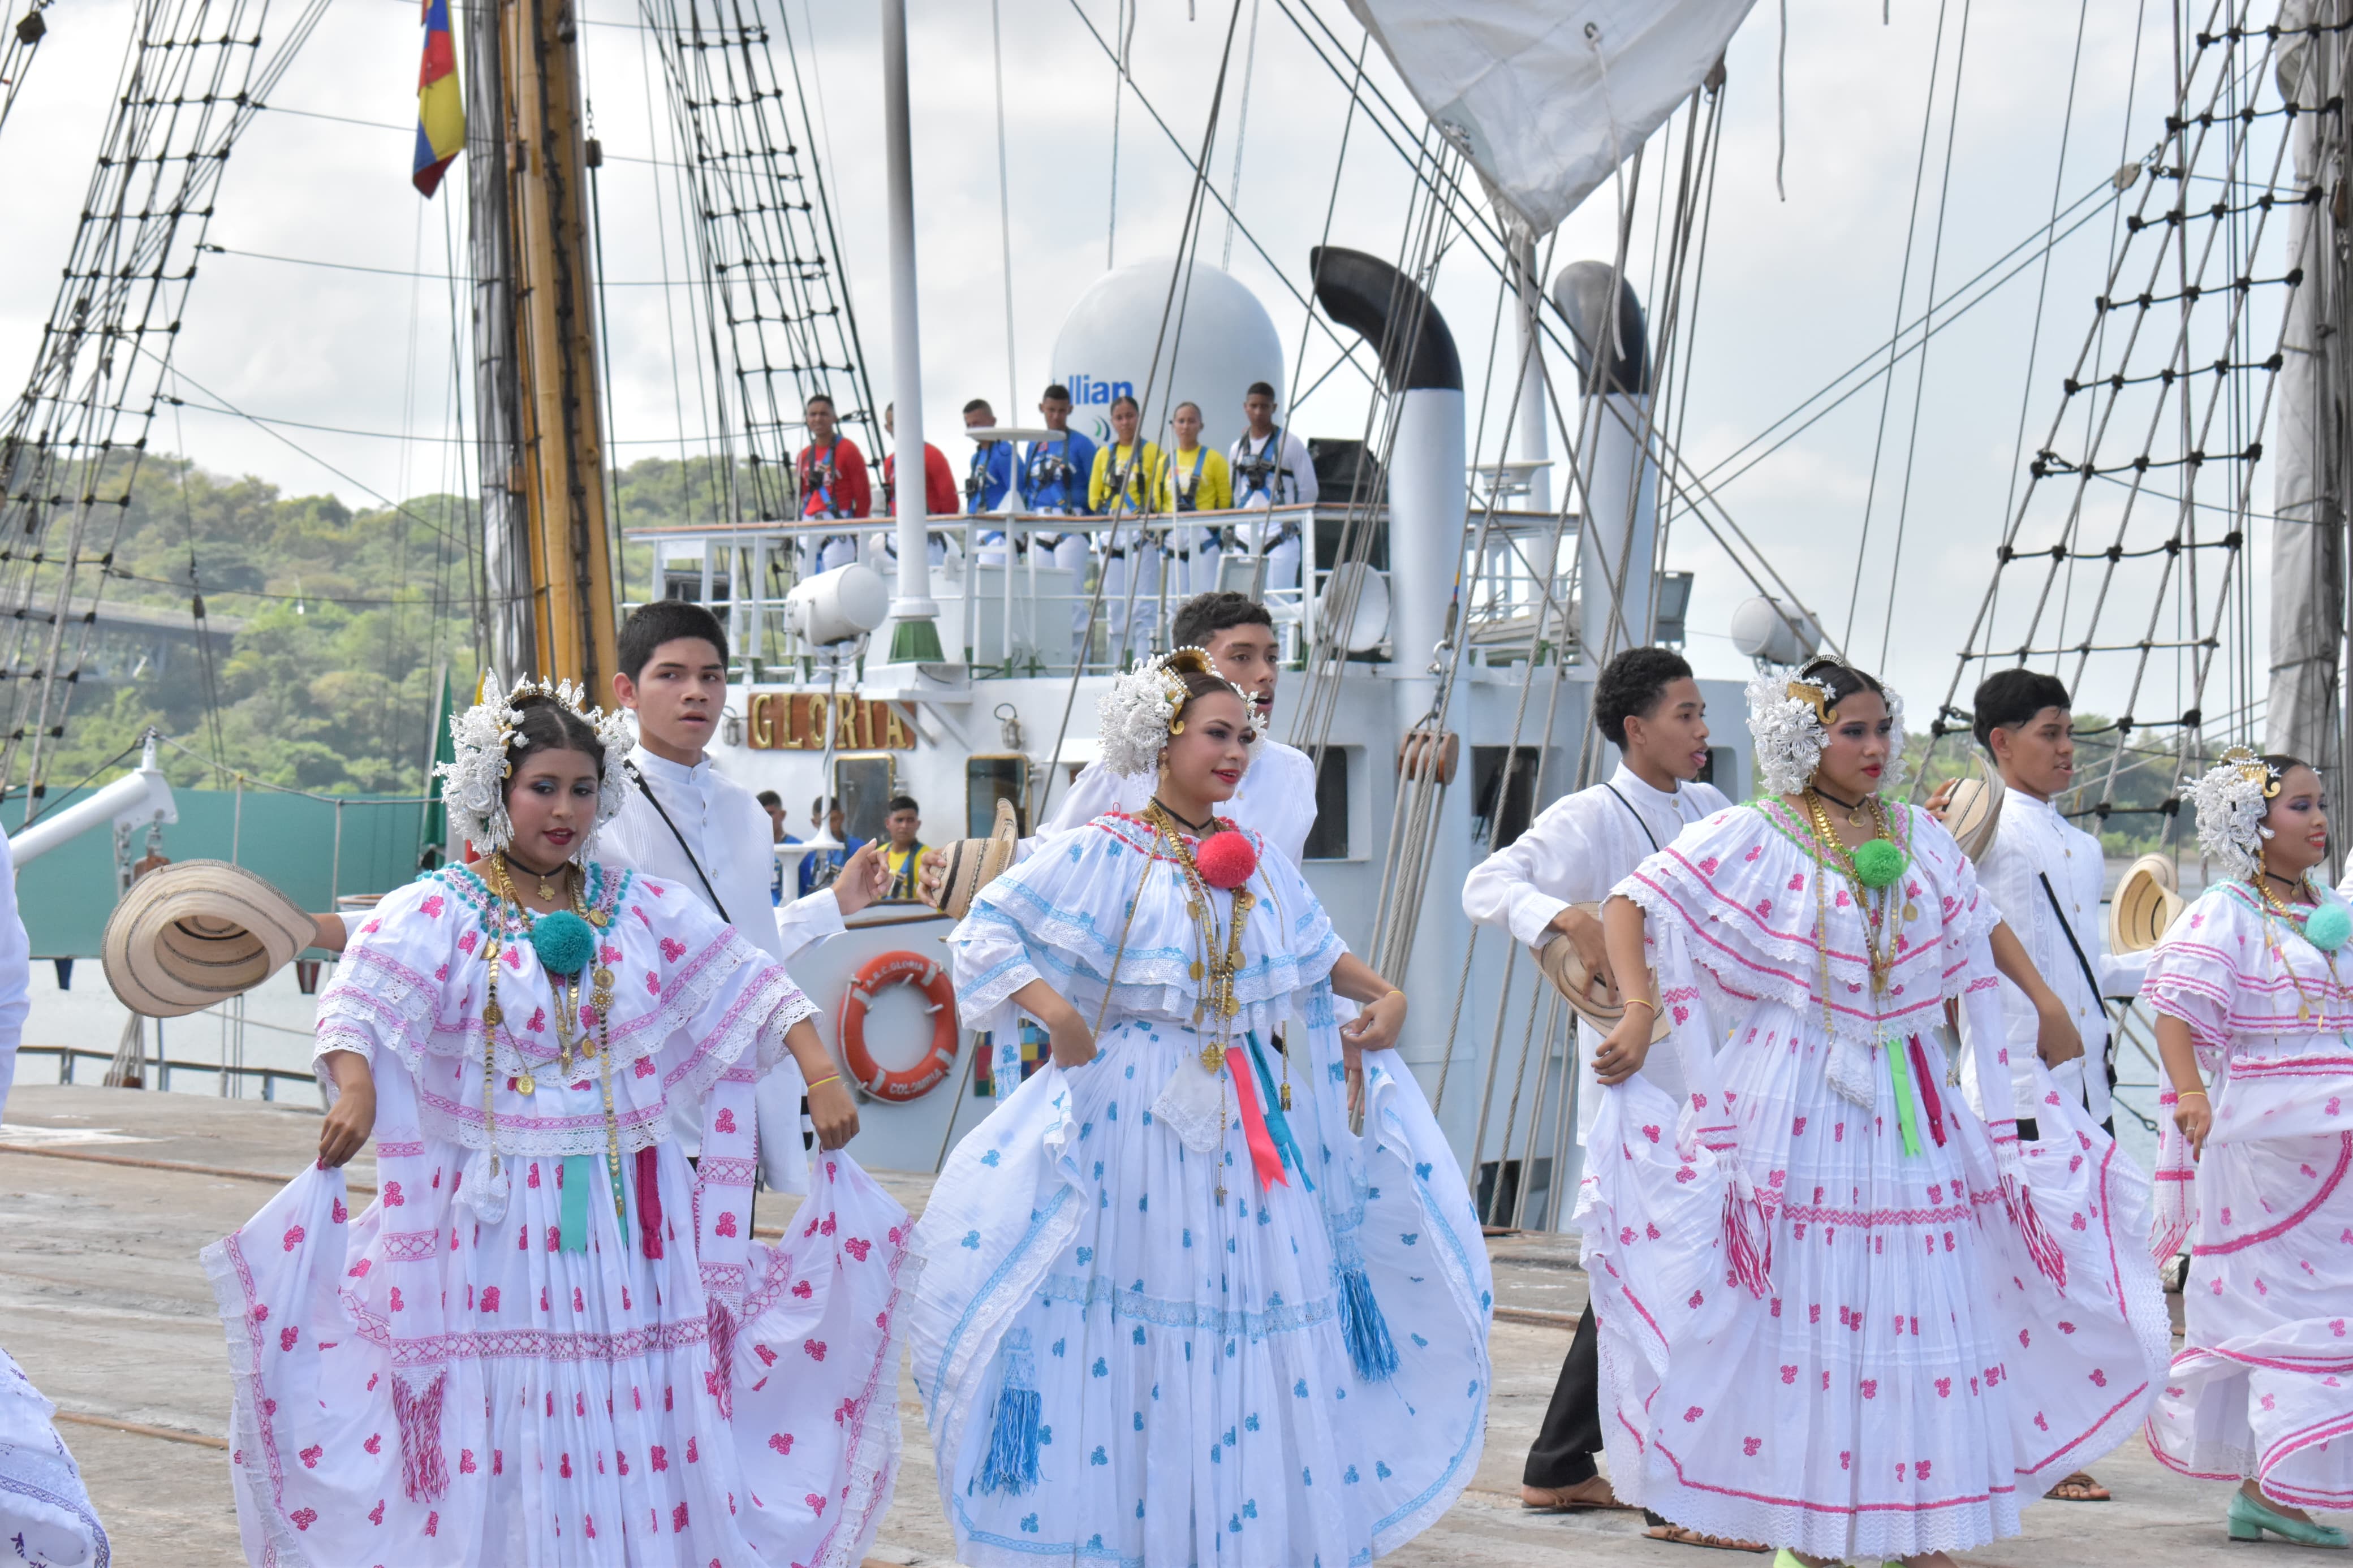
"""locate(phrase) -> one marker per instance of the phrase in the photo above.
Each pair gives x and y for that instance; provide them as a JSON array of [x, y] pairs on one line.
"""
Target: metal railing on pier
[[164, 1067]]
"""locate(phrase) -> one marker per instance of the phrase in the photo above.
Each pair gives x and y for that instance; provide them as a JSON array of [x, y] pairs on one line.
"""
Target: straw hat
[[202, 931], [974, 863], [1974, 812], [2145, 903], [1564, 967]]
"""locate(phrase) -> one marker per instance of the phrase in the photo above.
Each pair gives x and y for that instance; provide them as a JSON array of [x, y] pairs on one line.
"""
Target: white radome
[[1221, 337]]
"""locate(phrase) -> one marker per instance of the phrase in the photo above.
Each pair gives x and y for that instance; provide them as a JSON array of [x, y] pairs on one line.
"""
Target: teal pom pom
[[562, 941], [2327, 927], [1878, 862]]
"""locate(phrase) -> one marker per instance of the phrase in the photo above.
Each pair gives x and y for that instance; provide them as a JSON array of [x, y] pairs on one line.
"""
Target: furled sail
[[1546, 99]]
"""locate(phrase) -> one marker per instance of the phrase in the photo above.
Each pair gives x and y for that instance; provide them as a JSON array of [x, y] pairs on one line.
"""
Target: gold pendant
[[1197, 969], [1213, 1057], [1286, 1094], [491, 951], [604, 979], [545, 891], [1230, 1007], [1911, 913], [2303, 1012], [524, 1085], [493, 1015], [599, 919]]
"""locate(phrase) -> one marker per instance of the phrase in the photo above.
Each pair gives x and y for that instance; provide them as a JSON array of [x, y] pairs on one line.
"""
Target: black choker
[[1843, 804], [1198, 829]]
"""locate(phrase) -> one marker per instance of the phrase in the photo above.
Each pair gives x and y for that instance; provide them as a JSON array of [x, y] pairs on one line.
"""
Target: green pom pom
[[2327, 927], [1878, 862], [562, 941]]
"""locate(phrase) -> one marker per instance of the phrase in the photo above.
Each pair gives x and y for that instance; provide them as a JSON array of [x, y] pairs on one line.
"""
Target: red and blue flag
[[440, 108]]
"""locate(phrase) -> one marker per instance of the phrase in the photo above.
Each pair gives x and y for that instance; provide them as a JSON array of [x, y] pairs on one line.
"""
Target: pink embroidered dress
[[2264, 1385], [1838, 1311], [486, 1368]]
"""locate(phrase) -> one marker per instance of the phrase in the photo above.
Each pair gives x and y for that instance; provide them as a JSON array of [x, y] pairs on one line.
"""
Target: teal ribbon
[[1278, 1125], [579, 1175]]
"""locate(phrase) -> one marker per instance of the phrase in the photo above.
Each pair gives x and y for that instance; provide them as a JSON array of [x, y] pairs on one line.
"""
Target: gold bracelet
[[1641, 1002], [2199, 1092], [830, 1078]]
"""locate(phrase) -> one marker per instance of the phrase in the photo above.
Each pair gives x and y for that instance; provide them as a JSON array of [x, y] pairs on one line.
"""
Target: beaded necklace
[[554, 938], [1219, 963], [1831, 853], [2301, 921]]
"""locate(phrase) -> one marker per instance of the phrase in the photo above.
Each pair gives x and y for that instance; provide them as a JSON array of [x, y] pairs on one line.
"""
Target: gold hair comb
[[2252, 769], [1807, 692]]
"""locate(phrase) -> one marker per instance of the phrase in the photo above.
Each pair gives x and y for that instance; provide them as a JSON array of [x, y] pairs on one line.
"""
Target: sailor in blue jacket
[[1054, 475]]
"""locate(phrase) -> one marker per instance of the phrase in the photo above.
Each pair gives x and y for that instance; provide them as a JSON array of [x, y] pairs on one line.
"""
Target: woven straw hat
[[1974, 812], [198, 932], [2145, 903], [974, 863], [1564, 967]]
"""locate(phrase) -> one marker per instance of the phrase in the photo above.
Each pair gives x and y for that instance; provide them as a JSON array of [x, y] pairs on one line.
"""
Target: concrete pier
[[107, 1195]]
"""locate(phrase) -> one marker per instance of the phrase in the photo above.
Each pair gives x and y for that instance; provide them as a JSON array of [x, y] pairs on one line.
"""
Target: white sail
[[1547, 100]]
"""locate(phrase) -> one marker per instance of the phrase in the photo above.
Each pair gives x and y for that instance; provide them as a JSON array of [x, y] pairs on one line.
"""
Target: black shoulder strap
[[1636, 815], [2073, 946], [655, 801]]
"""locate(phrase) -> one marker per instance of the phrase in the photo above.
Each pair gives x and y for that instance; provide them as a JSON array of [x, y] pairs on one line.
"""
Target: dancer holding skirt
[[1171, 1311], [2248, 985], [548, 1342], [1840, 1313]]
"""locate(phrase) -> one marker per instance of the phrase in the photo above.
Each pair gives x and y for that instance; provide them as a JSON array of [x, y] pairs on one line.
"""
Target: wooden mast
[[549, 547]]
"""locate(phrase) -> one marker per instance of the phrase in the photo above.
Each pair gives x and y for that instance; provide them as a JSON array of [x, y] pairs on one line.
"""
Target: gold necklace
[[1217, 968], [1878, 930], [2262, 880]]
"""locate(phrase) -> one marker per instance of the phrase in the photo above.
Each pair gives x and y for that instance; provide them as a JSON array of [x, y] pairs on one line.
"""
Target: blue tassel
[[1366, 1331], [1012, 1463]]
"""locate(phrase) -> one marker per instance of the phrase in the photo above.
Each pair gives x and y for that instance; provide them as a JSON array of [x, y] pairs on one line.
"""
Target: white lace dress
[[46, 1519], [503, 1369], [1119, 1367], [2264, 1386], [1838, 1311]]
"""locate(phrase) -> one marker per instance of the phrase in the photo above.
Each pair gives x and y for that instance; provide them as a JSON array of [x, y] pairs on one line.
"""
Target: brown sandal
[[1558, 1499], [2079, 1488], [1675, 1534]]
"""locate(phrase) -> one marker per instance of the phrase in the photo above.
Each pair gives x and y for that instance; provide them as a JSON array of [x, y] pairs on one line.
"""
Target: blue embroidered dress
[[1118, 1366]]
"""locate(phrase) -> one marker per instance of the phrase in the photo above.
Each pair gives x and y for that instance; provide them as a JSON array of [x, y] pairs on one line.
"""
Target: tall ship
[[1478, 545]]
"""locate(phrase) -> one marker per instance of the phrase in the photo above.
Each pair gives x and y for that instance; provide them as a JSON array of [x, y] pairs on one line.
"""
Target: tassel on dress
[[2040, 1245], [424, 1473], [1361, 1322], [1748, 1238], [1012, 1463], [722, 1356]]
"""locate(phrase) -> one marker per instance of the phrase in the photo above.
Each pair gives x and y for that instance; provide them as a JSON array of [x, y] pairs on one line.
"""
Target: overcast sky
[[1795, 290]]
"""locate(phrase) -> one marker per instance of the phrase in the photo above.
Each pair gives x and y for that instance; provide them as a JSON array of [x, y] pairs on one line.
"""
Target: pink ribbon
[[1263, 1154]]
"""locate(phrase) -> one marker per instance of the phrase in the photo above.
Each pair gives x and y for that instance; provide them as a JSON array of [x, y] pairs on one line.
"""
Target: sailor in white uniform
[[1271, 468]]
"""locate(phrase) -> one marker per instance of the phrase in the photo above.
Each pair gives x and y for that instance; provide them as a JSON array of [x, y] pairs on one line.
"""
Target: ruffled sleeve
[[2198, 971], [1102, 899], [392, 988]]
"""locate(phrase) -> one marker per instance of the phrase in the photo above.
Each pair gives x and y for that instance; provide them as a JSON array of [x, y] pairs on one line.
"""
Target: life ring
[[902, 968]]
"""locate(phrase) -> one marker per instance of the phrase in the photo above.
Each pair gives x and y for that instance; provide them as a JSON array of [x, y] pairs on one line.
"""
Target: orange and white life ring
[[912, 1082]]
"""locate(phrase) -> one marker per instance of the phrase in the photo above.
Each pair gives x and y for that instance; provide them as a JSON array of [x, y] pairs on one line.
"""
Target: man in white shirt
[[685, 824], [1271, 468], [1647, 704], [1277, 794], [2046, 875]]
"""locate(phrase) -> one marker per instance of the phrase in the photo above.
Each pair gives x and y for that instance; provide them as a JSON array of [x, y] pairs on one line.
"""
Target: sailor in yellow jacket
[[1126, 473], [1194, 478]]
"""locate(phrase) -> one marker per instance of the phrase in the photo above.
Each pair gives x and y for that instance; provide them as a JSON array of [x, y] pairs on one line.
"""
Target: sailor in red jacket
[[833, 481], [939, 491]]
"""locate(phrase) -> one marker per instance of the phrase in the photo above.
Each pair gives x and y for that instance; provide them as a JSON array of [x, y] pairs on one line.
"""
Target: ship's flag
[[441, 110]]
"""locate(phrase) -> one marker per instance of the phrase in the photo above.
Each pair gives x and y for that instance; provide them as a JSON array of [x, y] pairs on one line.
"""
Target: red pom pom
[[1225, 859]]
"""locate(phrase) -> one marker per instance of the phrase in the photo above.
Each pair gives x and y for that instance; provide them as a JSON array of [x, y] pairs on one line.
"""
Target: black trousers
[[1571, 1435]]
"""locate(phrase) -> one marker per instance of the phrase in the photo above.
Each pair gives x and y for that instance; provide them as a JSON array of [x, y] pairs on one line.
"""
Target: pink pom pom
[[1225, 859]]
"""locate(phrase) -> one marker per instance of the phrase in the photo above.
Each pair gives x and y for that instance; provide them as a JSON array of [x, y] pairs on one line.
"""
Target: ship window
[[988, 778], [1501, 809], [1328, 839], [865, 781]]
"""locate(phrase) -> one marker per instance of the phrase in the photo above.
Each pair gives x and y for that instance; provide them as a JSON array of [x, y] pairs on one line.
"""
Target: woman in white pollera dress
[[2247, 984], [1840, 1313], [1171, 1310]]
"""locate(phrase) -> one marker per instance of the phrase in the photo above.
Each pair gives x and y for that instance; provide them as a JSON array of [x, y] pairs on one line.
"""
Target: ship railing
[[163, 1068], [1033, 619]]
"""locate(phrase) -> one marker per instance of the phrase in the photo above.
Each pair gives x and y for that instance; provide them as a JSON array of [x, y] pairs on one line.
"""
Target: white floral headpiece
[[1138, 714], [2232, 799], [474, 792], [1789, 719]]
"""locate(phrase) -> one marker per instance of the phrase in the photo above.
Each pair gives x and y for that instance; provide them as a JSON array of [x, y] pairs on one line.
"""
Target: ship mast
[[547, 540]]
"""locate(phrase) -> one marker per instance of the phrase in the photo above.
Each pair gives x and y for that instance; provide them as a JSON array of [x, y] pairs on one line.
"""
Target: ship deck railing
[[1034, 619]]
